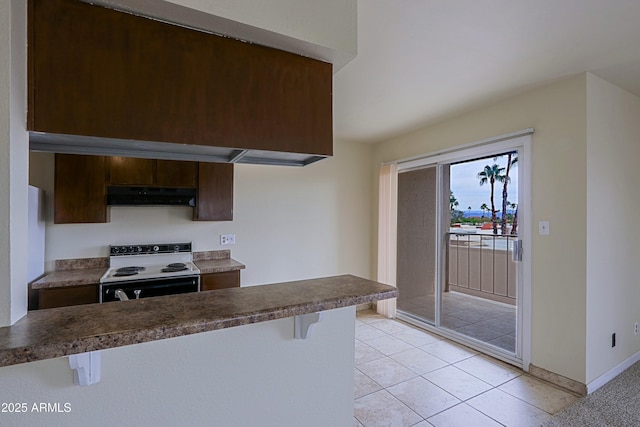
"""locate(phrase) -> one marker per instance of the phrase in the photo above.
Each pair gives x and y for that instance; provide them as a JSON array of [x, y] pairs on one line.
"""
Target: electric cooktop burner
[[173, 267], [177, 265], [128, 271], [125, 274], [133, 269]]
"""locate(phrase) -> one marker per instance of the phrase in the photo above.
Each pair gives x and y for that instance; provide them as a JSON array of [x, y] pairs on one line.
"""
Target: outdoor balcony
[[479, 296]]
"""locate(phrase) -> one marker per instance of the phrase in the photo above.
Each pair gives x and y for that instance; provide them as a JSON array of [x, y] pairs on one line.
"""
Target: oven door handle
[[121, 295]]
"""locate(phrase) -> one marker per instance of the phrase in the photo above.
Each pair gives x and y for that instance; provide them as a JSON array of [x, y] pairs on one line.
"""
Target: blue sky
[[465, 184]]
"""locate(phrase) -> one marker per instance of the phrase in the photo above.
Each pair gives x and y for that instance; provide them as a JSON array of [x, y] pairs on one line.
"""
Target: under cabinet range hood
[[150, 196], [76, 144]]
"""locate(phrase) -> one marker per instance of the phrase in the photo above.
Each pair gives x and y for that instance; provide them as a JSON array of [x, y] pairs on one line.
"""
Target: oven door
[[149, 288]]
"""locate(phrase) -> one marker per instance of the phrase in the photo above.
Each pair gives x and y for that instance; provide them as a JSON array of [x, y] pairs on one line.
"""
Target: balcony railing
[[482, 265]]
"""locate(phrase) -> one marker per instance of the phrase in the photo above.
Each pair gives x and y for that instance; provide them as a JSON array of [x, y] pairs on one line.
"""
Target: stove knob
[[176, 248], [115, 250], [123, 250], [139, 249], [130, 249], [156, 248]]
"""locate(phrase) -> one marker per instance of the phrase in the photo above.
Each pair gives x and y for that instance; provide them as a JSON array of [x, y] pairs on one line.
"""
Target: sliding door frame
[[522, 142]]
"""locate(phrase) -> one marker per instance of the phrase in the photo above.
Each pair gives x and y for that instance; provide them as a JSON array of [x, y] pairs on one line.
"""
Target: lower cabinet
[[89, 294], [212, 281], [65, 296]]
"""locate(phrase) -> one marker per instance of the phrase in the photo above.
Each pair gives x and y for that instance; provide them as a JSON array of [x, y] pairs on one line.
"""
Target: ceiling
[[421, 61]]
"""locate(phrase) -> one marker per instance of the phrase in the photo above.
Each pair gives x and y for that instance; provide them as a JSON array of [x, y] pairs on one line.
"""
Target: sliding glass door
[[479, 294], [417, 243], [459, 247]]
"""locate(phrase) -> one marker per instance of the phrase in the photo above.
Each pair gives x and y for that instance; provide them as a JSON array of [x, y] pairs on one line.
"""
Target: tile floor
[[485, 320], [408, 377]]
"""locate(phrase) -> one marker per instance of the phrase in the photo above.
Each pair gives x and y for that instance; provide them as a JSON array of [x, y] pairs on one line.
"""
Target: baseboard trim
[[559, 380], [612, 373]]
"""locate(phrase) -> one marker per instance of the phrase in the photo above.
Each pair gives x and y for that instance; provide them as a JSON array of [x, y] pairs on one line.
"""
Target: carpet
[[616, 404]]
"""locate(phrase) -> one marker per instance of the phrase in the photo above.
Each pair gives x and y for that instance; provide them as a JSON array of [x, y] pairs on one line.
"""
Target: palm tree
[[514, 211], [514, 225], [512, 159], [484, 207], [453, 202], [492, 174]]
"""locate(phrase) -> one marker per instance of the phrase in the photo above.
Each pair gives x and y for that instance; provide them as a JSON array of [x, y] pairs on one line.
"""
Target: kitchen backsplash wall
[[290, 223]]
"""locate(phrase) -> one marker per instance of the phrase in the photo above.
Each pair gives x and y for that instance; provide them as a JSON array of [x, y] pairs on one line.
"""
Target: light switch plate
[[543, 228]]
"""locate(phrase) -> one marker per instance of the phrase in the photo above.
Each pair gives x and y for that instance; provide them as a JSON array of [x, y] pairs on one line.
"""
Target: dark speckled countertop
[[80, 277], [46, 334], [88, 271], [218, 265], [73, 272], [216, 262]]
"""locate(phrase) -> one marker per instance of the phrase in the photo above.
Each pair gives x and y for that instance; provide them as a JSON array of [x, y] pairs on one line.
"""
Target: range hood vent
[[149, 196], [76, 144]]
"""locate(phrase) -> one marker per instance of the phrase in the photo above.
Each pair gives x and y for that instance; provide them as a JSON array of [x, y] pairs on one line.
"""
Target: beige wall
[[290, 223], [613, 230], [557, 111]]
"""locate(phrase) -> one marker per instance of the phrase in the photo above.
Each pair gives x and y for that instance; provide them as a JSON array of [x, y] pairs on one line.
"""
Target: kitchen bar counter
[[47, 334]]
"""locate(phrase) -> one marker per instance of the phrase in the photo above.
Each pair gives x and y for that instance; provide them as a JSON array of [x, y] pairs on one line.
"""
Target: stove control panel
[[157, 248]]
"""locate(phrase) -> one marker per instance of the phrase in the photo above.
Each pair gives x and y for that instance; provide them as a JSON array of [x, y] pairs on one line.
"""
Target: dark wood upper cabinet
[[99, 72], [214, 200], [151, 172], [131, 171], [80, 187], [80, 190], [172, 173]]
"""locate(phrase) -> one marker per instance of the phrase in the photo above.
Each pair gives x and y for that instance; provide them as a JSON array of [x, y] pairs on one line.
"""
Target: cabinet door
[[213, 281], [173, 173], [63, 297], [215, 192], [154, 81], [131, 171], [79, 189]]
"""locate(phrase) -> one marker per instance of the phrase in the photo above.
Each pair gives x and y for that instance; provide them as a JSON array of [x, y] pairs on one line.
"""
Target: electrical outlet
[[635, 328], [227, 239]]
